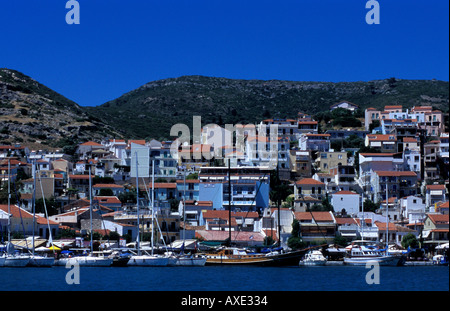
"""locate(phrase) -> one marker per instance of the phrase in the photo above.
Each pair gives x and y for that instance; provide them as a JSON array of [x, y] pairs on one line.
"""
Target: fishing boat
[[313, 258]]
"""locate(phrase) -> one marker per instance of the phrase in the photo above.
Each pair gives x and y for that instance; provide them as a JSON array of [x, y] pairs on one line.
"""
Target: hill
[[36, 116], [152, 109]]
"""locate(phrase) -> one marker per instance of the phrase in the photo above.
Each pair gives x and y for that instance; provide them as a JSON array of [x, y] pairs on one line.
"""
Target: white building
[[345, 200], [413, 209]]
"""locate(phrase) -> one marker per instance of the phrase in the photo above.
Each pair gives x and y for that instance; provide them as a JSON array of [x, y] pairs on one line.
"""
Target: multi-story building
[[399, 183], [301, 163], [249, 187], [315, 142], [369, 162], [384, 143], [327, 160], [160, 155], [435, 194]]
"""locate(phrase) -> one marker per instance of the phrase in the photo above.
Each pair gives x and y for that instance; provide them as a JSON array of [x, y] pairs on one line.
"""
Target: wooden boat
[[236, 256]]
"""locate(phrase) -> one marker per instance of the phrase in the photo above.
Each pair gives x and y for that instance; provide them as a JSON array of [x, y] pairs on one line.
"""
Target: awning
[[54, 248]]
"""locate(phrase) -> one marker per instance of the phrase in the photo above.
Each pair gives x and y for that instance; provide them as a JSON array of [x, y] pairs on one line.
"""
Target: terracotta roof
[[382, 226], [436, 187], [107, 186], [108, 200], [410, 140], [443, 205], [309, 181], [91, 143], [396, 173], [223, 214], [345, 192], [439, 218], [163, 185], [318, 216], [18, 212], [345, 220], [381, 137]]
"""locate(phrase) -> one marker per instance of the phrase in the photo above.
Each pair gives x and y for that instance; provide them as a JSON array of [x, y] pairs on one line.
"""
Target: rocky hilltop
[[34, 115], [152, 109]]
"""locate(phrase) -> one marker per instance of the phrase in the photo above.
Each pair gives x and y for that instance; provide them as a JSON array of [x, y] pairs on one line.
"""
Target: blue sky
[[120, 45]]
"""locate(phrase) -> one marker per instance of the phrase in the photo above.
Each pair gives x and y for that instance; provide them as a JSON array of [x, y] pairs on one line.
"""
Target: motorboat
[[363, 252], [313, 258]]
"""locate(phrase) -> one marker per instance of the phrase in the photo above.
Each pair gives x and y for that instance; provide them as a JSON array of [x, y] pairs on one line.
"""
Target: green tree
[[295, 241], [50, 205], [410, 240]]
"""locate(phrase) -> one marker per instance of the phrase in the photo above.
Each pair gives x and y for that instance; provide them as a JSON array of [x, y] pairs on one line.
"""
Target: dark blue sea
[[218, 278]]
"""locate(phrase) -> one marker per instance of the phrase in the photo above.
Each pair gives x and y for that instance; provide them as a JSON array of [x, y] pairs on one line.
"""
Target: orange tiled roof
[[309, 181]]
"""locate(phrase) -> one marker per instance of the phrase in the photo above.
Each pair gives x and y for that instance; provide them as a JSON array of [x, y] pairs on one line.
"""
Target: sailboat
[[11, 258], [88, 259], [38, 260], [187, 260], [139, 259], [363, 252]]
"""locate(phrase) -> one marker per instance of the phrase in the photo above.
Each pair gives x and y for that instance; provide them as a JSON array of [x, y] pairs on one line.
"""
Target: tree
[[295, 241], [50, 205], [410, 240], [370, 206]]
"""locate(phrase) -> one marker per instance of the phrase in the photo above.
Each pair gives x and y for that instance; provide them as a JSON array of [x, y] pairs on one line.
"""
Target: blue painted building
[[250, 187]]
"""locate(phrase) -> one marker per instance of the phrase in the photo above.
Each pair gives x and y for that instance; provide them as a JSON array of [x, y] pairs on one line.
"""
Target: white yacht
[[363, 252], [313, 258]]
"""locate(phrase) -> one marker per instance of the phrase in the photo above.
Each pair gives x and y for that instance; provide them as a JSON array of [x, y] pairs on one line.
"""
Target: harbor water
[[225, 278]]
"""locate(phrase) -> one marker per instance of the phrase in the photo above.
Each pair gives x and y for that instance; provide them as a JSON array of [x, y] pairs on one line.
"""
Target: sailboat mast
[[229, 201], [33, 202], [137, 207], [153, 198], [184, 207], [363, 223], [9, 200], [90, 211], [387, 217]]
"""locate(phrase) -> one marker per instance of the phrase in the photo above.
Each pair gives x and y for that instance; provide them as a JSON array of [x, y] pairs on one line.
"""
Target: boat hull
[[148, 261], [313, 262], [16, 261], [85, 261], [190, 262], [2, 261], [39, 261], [381, 260], [282, 259]]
